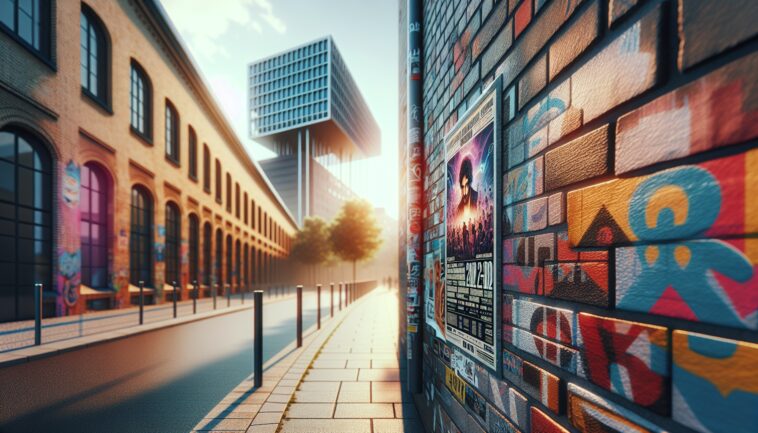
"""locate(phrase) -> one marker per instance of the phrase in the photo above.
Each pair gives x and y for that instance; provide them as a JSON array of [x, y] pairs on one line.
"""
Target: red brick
[[523, 17], [488, 30], [541, 423], [618, 8]]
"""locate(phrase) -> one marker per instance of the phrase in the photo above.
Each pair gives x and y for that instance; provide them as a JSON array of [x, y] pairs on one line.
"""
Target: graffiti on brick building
[[715, 388], [629, 359], [590, 413], [69, 250], [434, 288]]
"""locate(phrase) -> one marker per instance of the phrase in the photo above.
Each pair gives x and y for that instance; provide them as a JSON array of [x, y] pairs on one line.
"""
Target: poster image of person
[[470, 199]]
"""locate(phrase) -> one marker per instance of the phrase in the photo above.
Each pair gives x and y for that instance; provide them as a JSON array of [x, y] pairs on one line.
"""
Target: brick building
[[117, 165], [628, 297]]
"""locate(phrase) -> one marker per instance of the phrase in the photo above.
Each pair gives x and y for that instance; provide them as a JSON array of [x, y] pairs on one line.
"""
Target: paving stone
[[316, 396], [327, 426], [230, 424], [398, 426], [319, 386], [273, 407], [268, 418], [330, 375], [359, 363], [379, 374], [364, 410], [405, 410], [310, 410]]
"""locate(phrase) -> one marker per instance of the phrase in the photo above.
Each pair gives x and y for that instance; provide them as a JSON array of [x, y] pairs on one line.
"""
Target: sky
[[224, 36]]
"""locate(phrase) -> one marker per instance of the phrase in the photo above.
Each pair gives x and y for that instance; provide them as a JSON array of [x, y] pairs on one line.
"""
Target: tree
[[354, 234], [312, 245]]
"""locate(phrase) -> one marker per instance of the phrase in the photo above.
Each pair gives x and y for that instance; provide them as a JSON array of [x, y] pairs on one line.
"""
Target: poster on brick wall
[[471, 213], [434, 288]]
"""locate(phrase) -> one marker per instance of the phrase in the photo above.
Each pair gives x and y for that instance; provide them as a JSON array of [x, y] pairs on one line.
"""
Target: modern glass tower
[[305, 106]]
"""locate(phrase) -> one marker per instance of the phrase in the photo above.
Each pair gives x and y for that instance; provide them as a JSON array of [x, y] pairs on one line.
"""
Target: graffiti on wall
[[715, 386], [69, 247], [536, 382], [706, 280], [591, 413], [626, 358], [434, 288]]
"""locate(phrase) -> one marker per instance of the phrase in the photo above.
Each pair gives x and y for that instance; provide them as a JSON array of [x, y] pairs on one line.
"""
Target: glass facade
[[307, 85]]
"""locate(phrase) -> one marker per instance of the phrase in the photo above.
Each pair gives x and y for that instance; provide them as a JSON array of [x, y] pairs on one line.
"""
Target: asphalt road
[[163, 381]]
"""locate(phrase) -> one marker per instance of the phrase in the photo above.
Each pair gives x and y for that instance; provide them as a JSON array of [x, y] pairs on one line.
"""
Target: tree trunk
[[354, 288]]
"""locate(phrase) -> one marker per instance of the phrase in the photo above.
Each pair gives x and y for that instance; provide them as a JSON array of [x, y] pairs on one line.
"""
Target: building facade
[[629, 147], [305, 106], [118, 166]]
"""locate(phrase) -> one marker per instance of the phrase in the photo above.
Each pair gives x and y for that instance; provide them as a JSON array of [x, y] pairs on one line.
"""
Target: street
[[162, 381]]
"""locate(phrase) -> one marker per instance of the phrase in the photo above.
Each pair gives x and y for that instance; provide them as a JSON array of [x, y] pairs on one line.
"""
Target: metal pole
[[318, 306], [258, 339], [299, 316], [228, 295], [174, 284], [38, 314], [331, 300], [340, 296], [194, 298], [215, 294], [141, 302]]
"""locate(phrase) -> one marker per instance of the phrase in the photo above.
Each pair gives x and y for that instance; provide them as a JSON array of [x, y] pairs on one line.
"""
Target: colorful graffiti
[[536, 382], [554, 353], [627, 358], [542, 423], [524, 181], [69, 249], [531, 250], [715, 386], [585, 282], [592, 414], [710, 281], [527, 216], [510, 402], [523, 279], [711, 199], [717, 110], [553, 323]]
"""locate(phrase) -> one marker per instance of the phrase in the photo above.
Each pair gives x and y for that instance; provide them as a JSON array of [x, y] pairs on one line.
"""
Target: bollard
[[194, 298], [174, 284], [215, 294], [258, 339], [141, 302], [38, 314], [318, 306], [228, 295], [331, 300], [340, 295], [299, 316]]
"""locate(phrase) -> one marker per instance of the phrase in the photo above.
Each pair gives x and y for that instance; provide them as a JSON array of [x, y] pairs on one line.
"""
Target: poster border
[[497, 87]]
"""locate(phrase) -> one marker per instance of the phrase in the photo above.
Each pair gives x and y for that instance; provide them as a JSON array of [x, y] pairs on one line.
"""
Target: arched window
[[25, 222], [94, 49], [94, 199], [192, 154], [141, 98], [194, 248], [206, 169], [173, 242], [218, 181], [246, 267], [237, 264], [237, 199], [207, 253], [246, 204], [219, 257], [141, 238], [172, 132], [229, 262], [228, 192], [30, 21]]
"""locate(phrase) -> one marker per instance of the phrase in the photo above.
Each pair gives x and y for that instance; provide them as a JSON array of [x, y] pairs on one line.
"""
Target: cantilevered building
[[305, 106]]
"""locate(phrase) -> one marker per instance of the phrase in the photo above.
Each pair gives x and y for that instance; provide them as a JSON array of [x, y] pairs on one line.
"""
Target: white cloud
[[201, 23]]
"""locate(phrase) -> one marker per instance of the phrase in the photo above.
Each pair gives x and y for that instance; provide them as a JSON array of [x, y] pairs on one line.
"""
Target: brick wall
[[630, 189], [46, 99]]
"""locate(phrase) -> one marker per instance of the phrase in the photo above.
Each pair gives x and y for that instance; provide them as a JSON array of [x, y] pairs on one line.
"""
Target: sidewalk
[[344, 379], [18, 335]]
